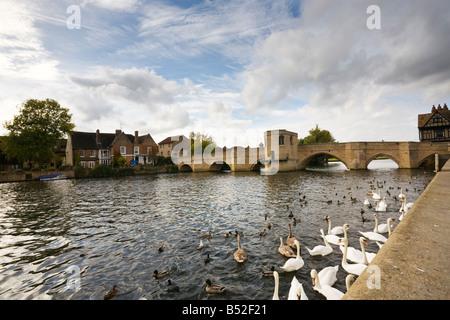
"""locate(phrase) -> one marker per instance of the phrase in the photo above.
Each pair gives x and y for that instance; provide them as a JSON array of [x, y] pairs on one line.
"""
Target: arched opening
[[428, 162], [324, 161], [257, 166], [220, 167], [185, 168], [381, 162]]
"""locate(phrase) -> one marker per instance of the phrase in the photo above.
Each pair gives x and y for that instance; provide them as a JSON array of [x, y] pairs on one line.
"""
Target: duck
[[111, 293], [207, 235], [277, 283], [295, 221], [263, 233], [228, 234], [376, 236], [336, 230], [213, 288], [296, 291], [326, 290], [172, 287], [161, 249], [285, 250], [353, 268], [208, 259], [161, 274], [296, 263], [268, 273], [268, 226], [321, 250], [291, 215], [201, 245], [290, 241], [240, 255]]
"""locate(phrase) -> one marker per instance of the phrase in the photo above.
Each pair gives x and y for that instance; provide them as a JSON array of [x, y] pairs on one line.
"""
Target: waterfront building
[[435, 126], [166, 145], [89, 149]]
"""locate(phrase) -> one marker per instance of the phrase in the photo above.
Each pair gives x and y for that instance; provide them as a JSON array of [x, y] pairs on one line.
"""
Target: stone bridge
[[282, 153]]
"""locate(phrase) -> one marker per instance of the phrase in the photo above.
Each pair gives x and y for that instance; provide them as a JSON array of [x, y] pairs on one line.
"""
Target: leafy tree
[[198, 139], [317, 136], [36, 130]]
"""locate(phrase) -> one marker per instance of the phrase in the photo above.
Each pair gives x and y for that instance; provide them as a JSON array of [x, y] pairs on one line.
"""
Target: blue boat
[[51, 177]]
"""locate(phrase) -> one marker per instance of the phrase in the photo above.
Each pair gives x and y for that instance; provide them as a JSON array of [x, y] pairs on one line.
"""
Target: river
[[110, 230]]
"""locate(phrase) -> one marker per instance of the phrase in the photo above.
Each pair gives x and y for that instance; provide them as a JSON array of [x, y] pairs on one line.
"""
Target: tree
[[198, 139], [317, 136], [36, 130]]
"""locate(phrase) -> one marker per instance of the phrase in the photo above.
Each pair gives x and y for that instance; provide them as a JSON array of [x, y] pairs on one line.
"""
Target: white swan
[[376, 236], [353, 268], [277, 283], [293, 264], [331, 238], [405, 208], [359, 256], [296, 290], [336, 230], [401, 195], [377, 196], [326, 290], [381, 205], [201, 245], [380, 228], [328, 275], [348, 281], [366, 202], [321, 250]]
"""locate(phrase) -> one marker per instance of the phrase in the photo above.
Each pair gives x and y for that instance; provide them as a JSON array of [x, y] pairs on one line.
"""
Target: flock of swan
[[354, 261]]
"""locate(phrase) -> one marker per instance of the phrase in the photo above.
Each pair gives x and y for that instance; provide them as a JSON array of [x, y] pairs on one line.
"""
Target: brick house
[[435, 126], [89, 149], [166, 145]]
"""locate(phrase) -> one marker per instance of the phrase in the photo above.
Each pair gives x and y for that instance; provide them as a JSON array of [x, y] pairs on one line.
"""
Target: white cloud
[[114, 5]]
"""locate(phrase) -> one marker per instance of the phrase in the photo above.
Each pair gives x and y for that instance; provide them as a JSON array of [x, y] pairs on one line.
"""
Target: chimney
[[439, 107], [136, 137], [445, 106], [97, 136], [118, 131], [433, 109]]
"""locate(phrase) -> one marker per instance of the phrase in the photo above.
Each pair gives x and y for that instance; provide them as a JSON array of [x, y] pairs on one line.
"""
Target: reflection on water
[[111, 230]]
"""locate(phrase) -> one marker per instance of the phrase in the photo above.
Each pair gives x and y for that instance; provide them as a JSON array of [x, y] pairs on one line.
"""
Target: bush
[[102, 171]]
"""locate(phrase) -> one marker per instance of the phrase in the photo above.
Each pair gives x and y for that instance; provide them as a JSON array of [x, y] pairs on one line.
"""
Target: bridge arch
[[185, 168], [428, 160], [369, 160], [219, 166], [305, 161], [256, 166]]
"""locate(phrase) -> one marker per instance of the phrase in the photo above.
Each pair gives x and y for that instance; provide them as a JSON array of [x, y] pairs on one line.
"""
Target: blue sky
[[232, 68]]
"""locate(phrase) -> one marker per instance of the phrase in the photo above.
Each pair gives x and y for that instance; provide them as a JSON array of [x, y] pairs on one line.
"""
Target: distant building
[[166, 145], [89, 149], [435, 126]]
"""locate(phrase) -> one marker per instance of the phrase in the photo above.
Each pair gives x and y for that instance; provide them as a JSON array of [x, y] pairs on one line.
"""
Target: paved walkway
[[415, 261]]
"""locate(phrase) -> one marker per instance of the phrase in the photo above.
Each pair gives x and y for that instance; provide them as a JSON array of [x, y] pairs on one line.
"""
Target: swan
[[381, 205], [320, 249], [366, 202], [326, 290], [359, 256], [348, 281], [405, 208], [377, 196], [285, 250], [294, 290], [380, 228], [201, 245], [353, 268], [331, 238], [240, 255], [336, 230], [328, 275], [277, 282], [296, 263], [401, 195], [376, 236], [290, 241]]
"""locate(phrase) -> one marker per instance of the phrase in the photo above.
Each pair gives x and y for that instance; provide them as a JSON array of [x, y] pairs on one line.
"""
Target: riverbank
[[414, 262], [23, 175]]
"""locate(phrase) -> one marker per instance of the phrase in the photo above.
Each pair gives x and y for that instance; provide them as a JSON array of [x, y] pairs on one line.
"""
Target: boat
[[51, 177]]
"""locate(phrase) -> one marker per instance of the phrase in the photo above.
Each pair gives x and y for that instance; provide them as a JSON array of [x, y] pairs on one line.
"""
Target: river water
[[108, 231]]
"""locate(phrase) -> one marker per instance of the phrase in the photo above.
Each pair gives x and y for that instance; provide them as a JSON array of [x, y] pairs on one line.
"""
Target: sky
[[231, 69]]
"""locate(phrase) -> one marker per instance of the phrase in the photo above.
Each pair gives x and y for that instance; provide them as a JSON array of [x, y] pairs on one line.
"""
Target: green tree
[[317, 136], [36, 130], [198, 139]]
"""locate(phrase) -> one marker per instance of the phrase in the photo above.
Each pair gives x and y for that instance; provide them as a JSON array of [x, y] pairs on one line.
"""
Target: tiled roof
[[424, 118]]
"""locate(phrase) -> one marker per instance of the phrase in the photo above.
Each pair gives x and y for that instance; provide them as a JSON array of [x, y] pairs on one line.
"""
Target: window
[[92, 153], [123, 150], [168, 153], [281, 140], [91, 164], [83, 164], [136, 150], [162, 153], [81, 153], [439, 133]]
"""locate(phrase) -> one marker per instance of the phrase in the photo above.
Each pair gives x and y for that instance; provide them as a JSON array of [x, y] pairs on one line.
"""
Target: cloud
[[114, 5]]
